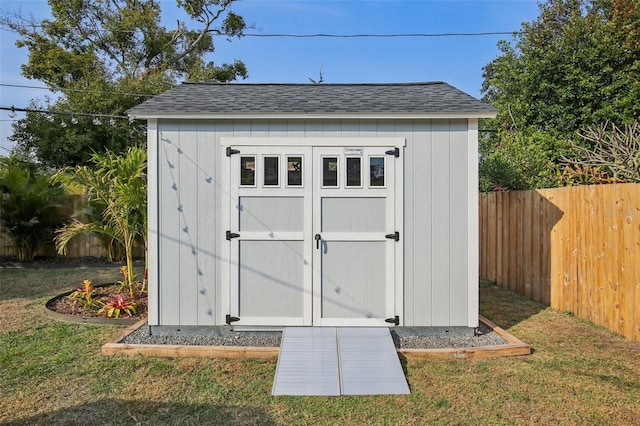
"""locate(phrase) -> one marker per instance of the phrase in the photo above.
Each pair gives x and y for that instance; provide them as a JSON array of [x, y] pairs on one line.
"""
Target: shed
[[275, 205]]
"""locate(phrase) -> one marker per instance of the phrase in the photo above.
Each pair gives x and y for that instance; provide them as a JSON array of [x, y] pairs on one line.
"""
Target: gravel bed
[[272, 339]]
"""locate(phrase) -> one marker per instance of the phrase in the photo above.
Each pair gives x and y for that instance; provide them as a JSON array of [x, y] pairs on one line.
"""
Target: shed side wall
[[436, 213]]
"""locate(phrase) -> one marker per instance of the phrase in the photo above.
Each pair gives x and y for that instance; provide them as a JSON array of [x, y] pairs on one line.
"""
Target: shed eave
[[311, 115]]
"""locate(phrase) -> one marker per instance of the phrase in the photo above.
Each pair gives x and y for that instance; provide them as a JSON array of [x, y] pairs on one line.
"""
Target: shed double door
[[312, 236]]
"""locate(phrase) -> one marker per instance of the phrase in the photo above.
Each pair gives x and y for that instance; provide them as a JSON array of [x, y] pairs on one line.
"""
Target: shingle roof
[[300, 99]]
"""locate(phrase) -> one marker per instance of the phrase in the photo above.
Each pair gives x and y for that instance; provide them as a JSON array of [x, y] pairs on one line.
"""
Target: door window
[[294, 171], [271, 171], [330, 171], [247, 171], [354, 171], [376, 171]]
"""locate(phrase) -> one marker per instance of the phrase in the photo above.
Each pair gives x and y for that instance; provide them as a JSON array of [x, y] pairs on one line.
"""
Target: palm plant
[[116, 183], [28, 208]]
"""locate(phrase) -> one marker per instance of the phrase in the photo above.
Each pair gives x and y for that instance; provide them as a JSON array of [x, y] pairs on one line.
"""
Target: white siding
[[437, 290]]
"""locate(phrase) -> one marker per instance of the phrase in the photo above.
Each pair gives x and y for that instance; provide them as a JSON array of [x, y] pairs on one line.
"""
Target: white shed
[[275, 205]]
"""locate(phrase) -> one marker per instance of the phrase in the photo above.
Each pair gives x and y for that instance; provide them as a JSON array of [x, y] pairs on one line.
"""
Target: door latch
[[231, 235], [318, 238]]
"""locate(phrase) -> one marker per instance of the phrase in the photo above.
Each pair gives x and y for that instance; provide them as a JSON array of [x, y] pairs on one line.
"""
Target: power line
[[21, 86], [392, 35], [316, 35]]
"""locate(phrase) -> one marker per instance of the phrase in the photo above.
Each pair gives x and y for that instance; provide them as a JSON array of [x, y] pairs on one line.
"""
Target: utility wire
[[393, 35], [314, 35], [21, 86]]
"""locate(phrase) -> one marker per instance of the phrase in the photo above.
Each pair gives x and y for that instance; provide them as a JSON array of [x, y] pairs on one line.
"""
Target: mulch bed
[[103, 293]]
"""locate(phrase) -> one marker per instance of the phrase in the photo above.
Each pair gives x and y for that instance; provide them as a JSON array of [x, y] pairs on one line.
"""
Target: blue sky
[[456, 60]]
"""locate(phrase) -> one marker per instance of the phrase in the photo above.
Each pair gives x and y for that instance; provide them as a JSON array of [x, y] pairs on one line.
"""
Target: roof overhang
[[311, 115]]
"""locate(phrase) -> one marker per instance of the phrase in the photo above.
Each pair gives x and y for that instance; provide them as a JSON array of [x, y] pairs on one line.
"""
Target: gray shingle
[[237, 98]]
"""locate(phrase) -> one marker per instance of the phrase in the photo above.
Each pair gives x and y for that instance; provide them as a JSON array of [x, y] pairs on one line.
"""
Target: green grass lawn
[[53, 373]]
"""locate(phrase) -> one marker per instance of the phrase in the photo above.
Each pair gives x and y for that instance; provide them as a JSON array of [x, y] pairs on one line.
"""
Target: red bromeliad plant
[[114, 307]]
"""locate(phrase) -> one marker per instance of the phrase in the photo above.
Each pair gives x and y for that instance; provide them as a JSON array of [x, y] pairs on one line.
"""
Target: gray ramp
[[308, 362], [369, 363], [338, 361]]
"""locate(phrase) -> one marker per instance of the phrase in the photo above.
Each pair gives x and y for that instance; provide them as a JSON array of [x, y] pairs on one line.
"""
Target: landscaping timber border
[[513, 347]]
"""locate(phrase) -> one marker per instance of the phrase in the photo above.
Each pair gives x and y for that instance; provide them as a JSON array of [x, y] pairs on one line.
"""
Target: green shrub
[[28, 207]]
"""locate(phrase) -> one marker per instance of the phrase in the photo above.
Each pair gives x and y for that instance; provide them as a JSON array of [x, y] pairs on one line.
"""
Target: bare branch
[[207, 17], [610, 149]]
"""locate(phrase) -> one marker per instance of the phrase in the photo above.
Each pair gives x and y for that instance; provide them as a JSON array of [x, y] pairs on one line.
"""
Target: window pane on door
[[271, 171], [329, 171], [354, 172], [376, 171], [294, 171], [247, 171]]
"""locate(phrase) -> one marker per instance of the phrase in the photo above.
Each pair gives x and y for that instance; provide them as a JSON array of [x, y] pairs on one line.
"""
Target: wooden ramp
[[338, 361]]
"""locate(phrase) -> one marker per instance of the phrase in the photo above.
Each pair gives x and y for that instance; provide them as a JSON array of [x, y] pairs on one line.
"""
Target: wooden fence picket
[[576, 249]]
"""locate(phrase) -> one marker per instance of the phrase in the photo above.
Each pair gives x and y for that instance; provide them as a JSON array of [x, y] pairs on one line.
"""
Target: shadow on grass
[[111, 411], [506, 308]]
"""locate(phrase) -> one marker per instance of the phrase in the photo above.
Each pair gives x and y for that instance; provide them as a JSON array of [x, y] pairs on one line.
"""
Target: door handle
[[318, 238]]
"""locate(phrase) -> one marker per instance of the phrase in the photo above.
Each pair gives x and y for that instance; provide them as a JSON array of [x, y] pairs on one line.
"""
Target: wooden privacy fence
[[576, 249], [81, 246]]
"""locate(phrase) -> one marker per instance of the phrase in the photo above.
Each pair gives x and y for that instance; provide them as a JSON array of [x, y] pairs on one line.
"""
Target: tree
[[106, 56], [118, 185], [576, 65], [28, 207]]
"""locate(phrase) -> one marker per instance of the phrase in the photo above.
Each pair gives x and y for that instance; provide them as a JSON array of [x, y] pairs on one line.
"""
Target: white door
[[312, 236], [354, 236], [270, 234]]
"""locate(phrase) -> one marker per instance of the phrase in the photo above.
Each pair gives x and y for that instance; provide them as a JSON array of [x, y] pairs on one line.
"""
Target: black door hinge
[[231, 151], [231, 235], [229, 319], [395, 152], [395, 320], [395, 236]]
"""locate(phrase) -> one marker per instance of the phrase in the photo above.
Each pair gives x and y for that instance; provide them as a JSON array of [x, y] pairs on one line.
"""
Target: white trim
[[353, 322], [272, 236], [234, 141], [225, 221], [304, 116], [257, 322], [153, 221], [472, 225], [399, 204]]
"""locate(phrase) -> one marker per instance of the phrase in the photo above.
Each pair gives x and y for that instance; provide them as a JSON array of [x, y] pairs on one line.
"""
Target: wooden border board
[[513, 347]]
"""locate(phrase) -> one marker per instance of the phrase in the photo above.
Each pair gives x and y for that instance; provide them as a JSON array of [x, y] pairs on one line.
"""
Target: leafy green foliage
[[113, 308], [85, 295], [106, 56], [519, 160], [118, 184], [577, 65], [28, 207]]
